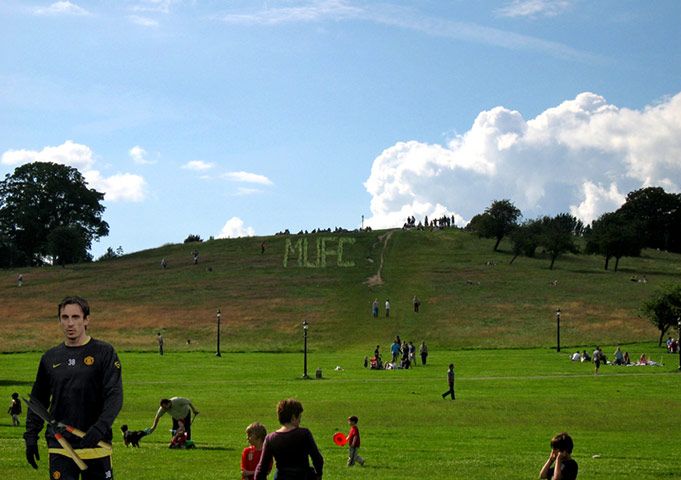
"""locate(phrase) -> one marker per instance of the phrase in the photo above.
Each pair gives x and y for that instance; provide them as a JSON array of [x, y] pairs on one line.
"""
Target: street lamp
[[218, 316], [558, 330], [305, 349]]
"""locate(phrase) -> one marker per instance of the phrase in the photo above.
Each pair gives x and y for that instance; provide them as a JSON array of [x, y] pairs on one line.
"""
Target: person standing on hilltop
[[387, 308]]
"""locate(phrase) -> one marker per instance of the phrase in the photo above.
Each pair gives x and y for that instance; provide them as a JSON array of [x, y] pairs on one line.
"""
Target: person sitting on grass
[[560, 465]]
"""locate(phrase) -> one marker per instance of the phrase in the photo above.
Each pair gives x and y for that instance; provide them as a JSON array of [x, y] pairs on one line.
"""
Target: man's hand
[[32, 455], [92, 437]]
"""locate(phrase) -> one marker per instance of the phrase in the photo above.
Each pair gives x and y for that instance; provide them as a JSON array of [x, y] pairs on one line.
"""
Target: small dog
[[132, 437]]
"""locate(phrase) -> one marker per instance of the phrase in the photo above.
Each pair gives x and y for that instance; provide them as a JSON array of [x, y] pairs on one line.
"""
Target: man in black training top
[[79, 381]]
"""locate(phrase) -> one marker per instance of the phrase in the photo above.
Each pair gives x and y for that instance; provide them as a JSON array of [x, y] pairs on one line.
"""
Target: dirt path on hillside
[[375, 280]]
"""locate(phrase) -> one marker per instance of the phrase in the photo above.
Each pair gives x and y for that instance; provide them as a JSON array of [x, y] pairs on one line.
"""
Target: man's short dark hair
[[287, 409], [562, 442], [165, 401], [353, 419], [81, 302]]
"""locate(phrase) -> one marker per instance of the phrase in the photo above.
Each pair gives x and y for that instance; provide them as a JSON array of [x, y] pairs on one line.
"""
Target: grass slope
[[472, 297]]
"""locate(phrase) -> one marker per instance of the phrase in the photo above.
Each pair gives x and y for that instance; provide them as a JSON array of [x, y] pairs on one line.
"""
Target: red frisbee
[[340, 439]]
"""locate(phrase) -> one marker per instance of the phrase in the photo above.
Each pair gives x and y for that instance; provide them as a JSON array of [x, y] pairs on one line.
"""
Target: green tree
[[525, 239], [663, 309], [558, 235], [657, 215], [613, 235], [39, 197], [499, 219], [67, 245]]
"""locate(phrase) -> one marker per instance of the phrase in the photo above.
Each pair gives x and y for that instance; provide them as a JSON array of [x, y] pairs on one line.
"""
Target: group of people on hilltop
[[403, 355], [442, 222]]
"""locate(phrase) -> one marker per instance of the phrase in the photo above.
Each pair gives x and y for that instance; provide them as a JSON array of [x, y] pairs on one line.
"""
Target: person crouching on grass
[[353, 442], [250, 457], [560, 465]]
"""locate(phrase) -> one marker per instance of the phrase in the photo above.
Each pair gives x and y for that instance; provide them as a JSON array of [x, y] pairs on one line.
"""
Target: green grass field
[[625, 421], [495, 320]]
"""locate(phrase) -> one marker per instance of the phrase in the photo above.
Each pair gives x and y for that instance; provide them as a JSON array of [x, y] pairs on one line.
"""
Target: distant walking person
[[159, 339], [374, 308], [423, 351], [417, 304], [450, 381], [597, 358], [262, 248], [20, 280], [15, 409], [387, 308], [164, 263]]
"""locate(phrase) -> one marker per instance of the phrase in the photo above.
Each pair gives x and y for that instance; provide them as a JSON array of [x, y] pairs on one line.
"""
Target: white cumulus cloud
[[198, 165], [61, 8], [582, 156], [118, 187], [248, 177], [235, 228], [139, 155]]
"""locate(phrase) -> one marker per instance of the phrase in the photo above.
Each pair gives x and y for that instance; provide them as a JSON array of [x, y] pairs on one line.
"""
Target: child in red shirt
[[250, 457], [353, 442]]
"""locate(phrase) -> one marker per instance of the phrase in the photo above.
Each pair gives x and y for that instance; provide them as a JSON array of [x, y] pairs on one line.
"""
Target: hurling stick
[[67, 446], [81, 434]]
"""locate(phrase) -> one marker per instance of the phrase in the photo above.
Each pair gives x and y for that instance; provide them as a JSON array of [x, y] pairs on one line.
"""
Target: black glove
[[32, 454], [92, 437]]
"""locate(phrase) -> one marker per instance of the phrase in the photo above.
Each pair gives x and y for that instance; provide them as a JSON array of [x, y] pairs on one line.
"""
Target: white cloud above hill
[[235, 228], [582, 156], [117, 187]]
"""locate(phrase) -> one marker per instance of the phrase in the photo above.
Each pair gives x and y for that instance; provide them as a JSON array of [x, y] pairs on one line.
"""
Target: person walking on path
[[374, 308], [450, 381], [387, 308], [79, 382], [159, 339]]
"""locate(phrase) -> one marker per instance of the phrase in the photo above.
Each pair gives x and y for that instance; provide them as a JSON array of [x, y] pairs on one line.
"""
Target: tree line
[[649, 218]]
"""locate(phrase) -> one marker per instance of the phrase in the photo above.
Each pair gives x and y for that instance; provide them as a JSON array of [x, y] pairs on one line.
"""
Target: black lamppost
[[558, 330], [305, 349], [218, 316]]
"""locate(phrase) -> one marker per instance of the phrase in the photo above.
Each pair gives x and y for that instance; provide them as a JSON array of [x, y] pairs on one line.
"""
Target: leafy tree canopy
[[663, 309], [40, 197]]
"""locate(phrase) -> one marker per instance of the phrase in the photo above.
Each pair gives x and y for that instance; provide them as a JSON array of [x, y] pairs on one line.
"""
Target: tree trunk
[[553, 259], [514, 257], [617, 262], [496, 245], [607, 261]]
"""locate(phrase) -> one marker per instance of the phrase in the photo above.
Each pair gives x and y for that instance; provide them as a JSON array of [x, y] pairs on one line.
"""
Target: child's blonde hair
[[257, 429]]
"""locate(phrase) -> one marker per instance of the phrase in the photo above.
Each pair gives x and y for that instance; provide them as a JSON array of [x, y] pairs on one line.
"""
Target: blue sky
[[234, 118]]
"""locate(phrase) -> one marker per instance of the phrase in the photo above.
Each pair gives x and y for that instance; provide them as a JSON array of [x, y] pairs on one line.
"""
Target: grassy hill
[[471, 296]]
